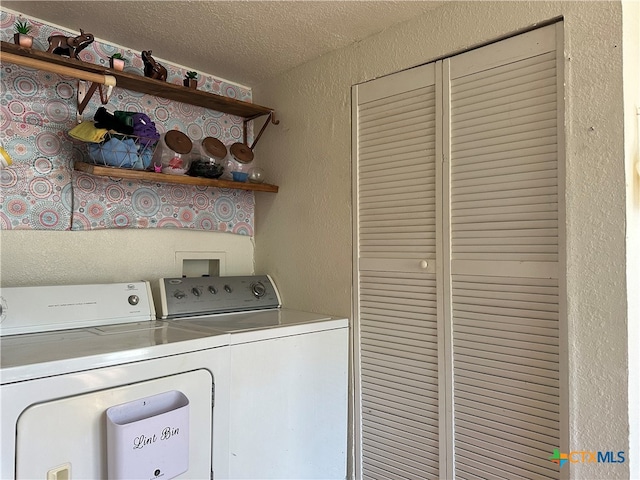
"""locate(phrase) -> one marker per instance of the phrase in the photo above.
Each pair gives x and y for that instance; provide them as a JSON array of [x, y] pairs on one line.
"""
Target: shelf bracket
[[270, 118], [85, 94]]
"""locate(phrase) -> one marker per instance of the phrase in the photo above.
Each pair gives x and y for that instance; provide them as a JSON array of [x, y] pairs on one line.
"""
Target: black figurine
[[153, 69]]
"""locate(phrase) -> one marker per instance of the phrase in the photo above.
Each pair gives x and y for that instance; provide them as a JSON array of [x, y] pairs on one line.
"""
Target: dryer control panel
[[60, 307], [190, 296]]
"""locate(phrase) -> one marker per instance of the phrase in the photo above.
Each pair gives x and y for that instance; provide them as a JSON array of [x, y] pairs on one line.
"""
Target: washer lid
[[256, 320], [244, 327]]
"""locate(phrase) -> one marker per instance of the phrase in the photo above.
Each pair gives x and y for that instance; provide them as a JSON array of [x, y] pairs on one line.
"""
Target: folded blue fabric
[[115, 152], [146, 156]]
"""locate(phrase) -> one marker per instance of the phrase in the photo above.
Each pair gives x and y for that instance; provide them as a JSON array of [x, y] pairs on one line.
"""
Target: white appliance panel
[[288, 407], [72, 431], [19, 396], [41, 309]]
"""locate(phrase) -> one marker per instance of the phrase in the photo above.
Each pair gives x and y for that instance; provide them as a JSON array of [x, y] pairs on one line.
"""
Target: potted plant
[[191, 80], [22, 37], [117, 61]]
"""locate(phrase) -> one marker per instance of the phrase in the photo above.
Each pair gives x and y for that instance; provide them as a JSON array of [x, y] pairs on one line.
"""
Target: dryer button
[[133, 300], [258, 289]]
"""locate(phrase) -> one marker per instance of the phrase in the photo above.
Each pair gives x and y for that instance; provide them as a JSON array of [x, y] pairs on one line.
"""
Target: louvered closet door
[[395, 242], [504, 229]]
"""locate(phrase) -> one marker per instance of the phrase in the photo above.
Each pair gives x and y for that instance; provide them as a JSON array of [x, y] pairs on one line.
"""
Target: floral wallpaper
[[100, 202], [42, 191]]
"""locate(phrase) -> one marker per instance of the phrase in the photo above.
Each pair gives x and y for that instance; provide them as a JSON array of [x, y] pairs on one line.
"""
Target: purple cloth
[[144, 127]]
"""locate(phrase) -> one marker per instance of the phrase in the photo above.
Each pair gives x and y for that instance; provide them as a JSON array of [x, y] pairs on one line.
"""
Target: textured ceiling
[[241, 41]]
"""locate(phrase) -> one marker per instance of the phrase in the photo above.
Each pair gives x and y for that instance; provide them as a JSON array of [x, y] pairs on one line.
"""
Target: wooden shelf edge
[[129, 174], [142, 84]]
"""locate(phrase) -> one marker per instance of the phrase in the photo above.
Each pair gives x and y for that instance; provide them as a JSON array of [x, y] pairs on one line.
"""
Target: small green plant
[[118, 56], [23, 27], [192, 75]]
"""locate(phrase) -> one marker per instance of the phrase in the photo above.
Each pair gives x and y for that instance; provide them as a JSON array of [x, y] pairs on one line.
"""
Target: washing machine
[[288, 377], [93, 385]]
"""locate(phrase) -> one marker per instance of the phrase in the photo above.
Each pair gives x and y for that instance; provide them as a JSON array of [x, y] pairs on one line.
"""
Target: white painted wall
[[103, 256], [303, 233]]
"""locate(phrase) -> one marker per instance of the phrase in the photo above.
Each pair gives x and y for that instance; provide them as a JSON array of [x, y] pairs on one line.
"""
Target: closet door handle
[[424, 264]]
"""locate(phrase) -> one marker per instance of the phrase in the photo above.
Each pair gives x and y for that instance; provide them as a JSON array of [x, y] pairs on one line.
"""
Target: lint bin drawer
[[149, 437]]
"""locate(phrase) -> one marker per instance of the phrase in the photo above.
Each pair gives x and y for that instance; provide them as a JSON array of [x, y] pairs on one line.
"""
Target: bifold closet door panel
[[458, 248], [504, 230], [397, 352]]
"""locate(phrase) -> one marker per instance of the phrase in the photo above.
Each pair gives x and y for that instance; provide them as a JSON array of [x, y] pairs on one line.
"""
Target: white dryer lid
[[37, 355]]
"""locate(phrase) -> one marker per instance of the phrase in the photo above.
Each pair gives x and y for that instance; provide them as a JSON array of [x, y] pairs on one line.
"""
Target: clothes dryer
[[57, 382]]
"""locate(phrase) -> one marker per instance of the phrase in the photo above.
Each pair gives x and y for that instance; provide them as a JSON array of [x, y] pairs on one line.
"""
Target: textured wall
[[304, 233], [103, 256], [631, 58]]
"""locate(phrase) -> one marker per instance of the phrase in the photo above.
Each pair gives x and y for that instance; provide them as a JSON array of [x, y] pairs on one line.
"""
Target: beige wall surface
[[304, 236], [631, 59], [104, 256]]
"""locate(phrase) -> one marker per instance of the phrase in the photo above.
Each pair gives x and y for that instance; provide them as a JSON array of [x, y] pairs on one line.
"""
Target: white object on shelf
[[149, 437]]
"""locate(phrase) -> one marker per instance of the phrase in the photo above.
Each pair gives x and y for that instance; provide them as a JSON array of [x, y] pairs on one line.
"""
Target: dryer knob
[[195, 291], [212, 290], [133, 300], [258, 289]]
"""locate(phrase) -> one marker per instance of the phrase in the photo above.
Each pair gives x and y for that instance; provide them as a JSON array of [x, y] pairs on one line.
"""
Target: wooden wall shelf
[[142, 84], [170, 91], [130, 174]]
